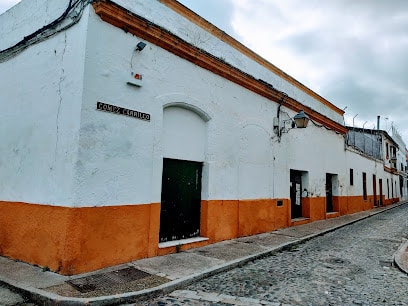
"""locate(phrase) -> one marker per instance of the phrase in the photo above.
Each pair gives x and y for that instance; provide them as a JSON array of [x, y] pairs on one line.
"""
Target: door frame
[[375, 190], [329, 193], [296, 194], [180, 211]]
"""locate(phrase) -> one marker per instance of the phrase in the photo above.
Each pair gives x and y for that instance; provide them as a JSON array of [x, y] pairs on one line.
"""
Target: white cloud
[[353, 53]]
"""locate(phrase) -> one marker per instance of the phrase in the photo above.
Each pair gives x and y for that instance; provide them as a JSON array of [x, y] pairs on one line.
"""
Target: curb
[[47, 298], [398, 255]]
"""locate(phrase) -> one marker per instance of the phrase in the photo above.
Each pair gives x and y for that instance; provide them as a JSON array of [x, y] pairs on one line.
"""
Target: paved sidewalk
[[163, 274]]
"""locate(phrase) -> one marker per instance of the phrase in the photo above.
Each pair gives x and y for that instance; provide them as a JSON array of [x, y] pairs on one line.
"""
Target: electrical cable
[[323, 126], [73, 11]]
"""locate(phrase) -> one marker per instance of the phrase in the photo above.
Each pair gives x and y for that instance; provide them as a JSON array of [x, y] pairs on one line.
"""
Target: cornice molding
[[118, 16], [207, 26]]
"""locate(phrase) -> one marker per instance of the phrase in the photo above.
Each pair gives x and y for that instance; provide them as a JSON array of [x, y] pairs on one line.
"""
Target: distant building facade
[[390, 180], [142, 129]]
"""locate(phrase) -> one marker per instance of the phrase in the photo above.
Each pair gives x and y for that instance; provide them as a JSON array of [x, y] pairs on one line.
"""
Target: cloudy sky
[[353, 53]]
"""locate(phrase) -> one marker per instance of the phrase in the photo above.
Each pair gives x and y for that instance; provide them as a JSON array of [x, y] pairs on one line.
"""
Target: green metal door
[[180, 200]]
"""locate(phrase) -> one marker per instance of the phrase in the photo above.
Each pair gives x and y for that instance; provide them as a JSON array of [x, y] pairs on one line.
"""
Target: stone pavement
[[147, 278], [10, 298]]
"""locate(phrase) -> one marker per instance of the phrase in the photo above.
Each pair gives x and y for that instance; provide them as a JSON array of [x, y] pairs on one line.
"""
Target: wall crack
[[61, 79]]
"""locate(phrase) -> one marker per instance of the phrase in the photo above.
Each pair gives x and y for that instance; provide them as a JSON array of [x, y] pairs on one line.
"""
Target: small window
[[364, 186], [351, 177]]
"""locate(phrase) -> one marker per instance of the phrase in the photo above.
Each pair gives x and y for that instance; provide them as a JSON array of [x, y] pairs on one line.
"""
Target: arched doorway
[[184, 146]]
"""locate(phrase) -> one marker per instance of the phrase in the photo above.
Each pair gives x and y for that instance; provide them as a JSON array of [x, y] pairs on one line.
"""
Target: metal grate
[[107, 280]]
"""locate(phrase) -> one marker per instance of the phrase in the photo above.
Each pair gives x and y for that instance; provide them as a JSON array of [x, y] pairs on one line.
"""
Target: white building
[[386, 178], [130, 129]]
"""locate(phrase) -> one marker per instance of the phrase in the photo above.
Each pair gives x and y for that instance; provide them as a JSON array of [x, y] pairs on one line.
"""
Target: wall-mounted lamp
[[140, 46], [300, 121], [135, 77]]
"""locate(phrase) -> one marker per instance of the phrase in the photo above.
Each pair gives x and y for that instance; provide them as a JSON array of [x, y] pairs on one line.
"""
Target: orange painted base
[[315, 208], [219, 219], [227, 219], [350, 205], [76, 240], [181, 247], [332, 215], [299, 221]]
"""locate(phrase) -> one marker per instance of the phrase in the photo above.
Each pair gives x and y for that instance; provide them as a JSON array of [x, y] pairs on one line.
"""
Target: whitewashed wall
[[161, 15], [40, 101], [120, 158], [317, 151], [86, 157], [361, 164], [26, 17], [371, 167]]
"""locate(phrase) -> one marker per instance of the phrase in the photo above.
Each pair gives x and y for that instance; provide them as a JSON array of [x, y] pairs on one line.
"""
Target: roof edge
[[213, 30], [122, 18]]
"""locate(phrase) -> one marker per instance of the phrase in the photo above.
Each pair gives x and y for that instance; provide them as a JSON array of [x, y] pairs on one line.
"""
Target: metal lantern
[[301, 120]]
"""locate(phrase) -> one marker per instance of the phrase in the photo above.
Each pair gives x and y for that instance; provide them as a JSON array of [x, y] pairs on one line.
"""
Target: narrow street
[[350, 266]]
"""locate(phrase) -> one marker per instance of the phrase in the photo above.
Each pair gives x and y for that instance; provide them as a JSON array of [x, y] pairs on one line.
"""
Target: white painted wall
[[184, 134], [40, 101], [86, 157], [27, 17], [161, 15], [317, 151], [371, 167], [255, 167], [361, 164], [120, 158]]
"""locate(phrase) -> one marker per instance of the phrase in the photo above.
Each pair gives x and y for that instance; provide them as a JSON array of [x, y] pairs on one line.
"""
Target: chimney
[[378, 122]]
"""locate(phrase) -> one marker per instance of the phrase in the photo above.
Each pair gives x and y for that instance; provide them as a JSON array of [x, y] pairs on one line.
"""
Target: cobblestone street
[[350, 266]]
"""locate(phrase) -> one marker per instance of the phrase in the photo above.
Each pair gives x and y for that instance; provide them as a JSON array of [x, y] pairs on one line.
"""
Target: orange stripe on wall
[[219, 219], [227, 219], [256, 216], [76, 240], [34, 233], [314, 208], [356, 203], [111, 235]]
